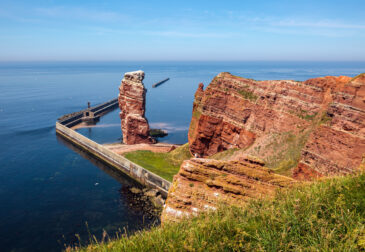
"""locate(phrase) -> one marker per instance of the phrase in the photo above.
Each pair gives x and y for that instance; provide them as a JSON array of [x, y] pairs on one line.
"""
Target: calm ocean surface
[[50, 190]]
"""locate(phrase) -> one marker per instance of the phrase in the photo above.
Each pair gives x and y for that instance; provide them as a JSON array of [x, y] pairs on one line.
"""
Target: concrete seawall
[[122, 164], [72, 119]]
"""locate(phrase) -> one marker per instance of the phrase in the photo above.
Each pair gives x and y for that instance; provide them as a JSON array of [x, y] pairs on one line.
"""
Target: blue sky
[[182, 30]]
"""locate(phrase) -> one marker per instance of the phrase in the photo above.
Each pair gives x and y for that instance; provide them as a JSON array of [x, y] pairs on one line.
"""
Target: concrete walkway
[[120, 148]]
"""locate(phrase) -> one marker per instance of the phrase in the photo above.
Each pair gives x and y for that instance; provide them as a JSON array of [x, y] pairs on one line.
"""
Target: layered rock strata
[[326, 114], [132, 100], [337, 145], [319, 124], [203, 184]]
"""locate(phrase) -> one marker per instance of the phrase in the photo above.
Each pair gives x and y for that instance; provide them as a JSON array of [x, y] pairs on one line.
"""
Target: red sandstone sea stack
[[132, 100]]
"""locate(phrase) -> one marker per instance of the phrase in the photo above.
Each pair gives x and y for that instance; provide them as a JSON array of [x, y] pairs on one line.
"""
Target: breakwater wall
[[117, 161], [160, 82], [75, 118]]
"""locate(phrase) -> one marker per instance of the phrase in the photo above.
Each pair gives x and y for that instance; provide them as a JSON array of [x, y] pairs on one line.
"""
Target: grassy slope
[[165, 165], [224, 155], [284, 152], [323, 216]]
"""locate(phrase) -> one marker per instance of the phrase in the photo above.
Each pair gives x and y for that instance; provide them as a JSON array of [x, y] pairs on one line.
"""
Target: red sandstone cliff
[[300, 129], [132, 99], [337, 145], [319, 122], [203, 184]]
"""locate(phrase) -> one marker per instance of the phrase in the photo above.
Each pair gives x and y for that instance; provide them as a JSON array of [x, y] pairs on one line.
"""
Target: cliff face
[[337, 145], [132, 96], [202, 184], [301, 129], [319, 122]]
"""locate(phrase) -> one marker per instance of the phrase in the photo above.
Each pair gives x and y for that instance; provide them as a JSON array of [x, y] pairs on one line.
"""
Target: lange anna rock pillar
[[132, 101]]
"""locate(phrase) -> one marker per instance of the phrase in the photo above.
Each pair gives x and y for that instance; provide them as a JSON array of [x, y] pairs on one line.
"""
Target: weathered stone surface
[[202, 184], [132, 99], [322, 118], [337, 146], [235, 112]]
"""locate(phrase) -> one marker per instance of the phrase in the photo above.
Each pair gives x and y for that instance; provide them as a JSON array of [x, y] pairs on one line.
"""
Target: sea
[[53, 195]]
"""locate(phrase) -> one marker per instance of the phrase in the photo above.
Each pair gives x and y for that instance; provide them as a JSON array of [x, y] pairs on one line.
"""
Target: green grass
[[358, 76], [308, 117], [248, 95], [193, 123], [224, 155], [197, 113], [285, 149], [303, 114], [323, 216], [165, 165], [325, 119]]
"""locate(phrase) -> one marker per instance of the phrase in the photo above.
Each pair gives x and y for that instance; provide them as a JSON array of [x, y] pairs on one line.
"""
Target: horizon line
[[182, 60]]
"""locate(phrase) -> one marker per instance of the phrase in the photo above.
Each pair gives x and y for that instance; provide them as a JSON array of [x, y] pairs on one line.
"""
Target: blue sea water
[[49, 189]]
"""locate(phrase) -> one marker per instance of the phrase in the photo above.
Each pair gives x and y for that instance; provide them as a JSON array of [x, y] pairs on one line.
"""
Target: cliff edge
[[312, 128], [300, 130]]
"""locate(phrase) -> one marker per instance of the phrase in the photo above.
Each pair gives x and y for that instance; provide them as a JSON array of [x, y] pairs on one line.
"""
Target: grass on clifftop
[[165, 165], [323, 216], [224, 155]]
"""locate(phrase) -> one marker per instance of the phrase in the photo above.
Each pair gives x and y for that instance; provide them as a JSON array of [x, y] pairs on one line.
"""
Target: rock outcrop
[[312, 129], [132, 99], [202, 184], [337, 145], [319, 122]]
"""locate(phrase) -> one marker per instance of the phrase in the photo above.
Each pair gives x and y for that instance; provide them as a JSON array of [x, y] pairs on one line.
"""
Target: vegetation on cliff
[[325, 215], [308, 129], [249, 95], [283, 151], [165, 165], [280, 151]]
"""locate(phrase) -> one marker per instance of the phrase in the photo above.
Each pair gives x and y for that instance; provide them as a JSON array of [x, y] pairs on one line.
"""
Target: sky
[[262, 30]]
